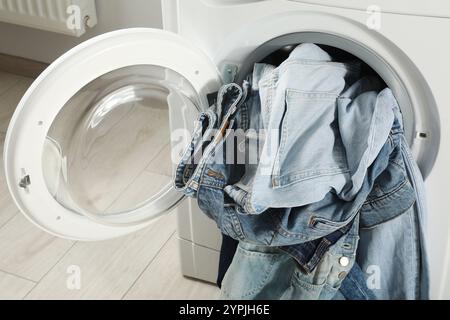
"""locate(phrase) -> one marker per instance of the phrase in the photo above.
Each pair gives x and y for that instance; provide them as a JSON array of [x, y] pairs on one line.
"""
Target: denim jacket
[[309, 108]]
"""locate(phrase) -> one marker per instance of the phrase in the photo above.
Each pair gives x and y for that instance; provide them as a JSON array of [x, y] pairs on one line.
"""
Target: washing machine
[[91, 148]]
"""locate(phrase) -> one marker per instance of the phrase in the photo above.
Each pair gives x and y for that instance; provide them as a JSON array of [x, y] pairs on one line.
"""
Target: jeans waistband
[[308, 255], [208, 135]]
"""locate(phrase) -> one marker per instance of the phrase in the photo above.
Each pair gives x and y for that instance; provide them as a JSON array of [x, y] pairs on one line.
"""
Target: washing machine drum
[[419, 110]]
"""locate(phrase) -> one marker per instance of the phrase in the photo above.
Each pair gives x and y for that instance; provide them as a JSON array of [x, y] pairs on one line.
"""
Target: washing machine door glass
[[92, 147]]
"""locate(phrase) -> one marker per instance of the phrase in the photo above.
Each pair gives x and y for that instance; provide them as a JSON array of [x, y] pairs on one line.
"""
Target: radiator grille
[[51, 15]]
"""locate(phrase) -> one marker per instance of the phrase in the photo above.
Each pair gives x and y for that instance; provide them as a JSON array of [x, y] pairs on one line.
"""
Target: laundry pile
[[307, 166]]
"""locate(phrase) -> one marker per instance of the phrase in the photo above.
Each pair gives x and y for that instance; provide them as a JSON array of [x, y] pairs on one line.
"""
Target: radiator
[[70, 17]]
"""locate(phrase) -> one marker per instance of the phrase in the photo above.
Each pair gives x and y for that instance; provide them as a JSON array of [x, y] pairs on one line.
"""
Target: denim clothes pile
[[307, 166]]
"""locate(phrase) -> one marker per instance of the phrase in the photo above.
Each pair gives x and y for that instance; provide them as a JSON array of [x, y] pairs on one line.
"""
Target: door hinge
[[229, 73]]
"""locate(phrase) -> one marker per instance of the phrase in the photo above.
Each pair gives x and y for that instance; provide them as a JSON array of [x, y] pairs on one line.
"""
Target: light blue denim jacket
[[319, 134]]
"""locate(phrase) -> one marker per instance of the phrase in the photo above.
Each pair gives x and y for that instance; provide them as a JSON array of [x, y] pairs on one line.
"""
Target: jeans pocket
[[256, 273], [302, 290], [330, 226], [385, 206], [324, 282], [309, 144]]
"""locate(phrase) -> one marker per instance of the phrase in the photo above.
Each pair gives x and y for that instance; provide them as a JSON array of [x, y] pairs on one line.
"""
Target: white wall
[[112, 15]]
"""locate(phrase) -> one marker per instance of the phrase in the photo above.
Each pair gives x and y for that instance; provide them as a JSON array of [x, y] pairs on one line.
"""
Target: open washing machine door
[[89, 153]]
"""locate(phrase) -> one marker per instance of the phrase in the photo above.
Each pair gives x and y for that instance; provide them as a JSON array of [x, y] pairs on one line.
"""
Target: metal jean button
[[344, 261]]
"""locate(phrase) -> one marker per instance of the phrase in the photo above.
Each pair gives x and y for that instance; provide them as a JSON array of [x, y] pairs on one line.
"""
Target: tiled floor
[[35, 265]]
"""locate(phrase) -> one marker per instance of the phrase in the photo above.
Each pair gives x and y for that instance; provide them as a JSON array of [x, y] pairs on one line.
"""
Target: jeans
[[392, 259], [227, 253], [268, 273]]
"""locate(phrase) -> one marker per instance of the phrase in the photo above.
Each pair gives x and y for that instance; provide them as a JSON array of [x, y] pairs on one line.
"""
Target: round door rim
[[49, 93]]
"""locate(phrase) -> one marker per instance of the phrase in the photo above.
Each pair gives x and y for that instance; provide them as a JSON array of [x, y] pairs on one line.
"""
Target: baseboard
[[21, 66]]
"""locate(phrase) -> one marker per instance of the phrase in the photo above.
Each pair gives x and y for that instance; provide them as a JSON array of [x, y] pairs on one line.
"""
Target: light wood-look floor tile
[[14, 288], [27, 251], [163, 280], [2, 167], [145, 186], [7, 207], [10, 100], [162, 164], [7, 81], [108, 269]]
